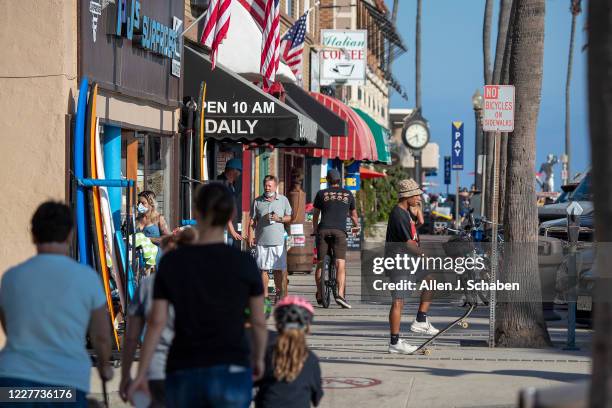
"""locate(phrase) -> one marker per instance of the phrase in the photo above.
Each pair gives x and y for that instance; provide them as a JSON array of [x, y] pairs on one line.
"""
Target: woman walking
[[209, 285]]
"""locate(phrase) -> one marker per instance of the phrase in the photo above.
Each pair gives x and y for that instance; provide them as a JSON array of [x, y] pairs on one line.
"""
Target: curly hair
[[290, 353], [152, 215]]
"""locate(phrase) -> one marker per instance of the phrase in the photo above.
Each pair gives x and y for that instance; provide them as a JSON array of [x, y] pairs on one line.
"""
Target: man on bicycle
[[333, 204]]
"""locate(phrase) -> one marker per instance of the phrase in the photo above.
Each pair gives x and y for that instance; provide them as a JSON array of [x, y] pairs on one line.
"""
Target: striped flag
[[216, 25], [292, 46], [266, 14]]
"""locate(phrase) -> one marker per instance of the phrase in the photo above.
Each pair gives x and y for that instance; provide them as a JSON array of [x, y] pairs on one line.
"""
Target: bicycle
[[328, 283]]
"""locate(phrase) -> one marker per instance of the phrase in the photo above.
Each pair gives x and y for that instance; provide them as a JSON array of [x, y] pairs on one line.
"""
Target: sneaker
[[401, 347], [424, 327], [342, 302]]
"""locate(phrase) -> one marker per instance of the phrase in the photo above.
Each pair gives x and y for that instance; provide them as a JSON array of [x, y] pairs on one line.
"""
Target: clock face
[[416, 136]]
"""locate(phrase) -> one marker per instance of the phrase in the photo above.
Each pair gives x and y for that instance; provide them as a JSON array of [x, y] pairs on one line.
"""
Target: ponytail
[[290, 353]]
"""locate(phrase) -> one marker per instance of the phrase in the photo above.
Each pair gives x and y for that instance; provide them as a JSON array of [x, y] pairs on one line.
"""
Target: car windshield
[[583, 190]]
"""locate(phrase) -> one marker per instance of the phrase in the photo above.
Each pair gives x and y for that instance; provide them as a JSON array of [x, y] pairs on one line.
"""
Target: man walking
[[47, 305], [266, 230], [402, 238], [333, 205], [229, 177]]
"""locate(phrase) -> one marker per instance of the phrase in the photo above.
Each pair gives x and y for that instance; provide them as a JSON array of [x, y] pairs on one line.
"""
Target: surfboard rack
[[130, 185], [188, 222]]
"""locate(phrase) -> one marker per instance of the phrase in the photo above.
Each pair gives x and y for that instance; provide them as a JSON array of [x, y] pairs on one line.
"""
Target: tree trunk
[[486, 59], [600, 123], [417, 53], [521, 320], [575, 10], [486, 41], [500, 76]]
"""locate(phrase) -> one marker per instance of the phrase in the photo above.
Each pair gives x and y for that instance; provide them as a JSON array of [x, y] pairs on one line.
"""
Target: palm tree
[[600, 123], [417, 52], [575, 9], [521, 320], [486, 41], [500, 76]]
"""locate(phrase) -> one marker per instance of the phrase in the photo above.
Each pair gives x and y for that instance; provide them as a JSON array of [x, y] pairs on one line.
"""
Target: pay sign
[[498, 108]]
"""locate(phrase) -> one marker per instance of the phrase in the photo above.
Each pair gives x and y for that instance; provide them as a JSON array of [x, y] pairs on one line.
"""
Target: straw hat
[[409, 188]]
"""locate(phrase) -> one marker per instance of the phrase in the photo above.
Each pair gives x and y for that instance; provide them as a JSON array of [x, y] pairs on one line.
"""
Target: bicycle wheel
[[324, 288]]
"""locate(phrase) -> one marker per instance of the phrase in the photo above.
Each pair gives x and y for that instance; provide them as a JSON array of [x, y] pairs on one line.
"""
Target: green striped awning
[[381, 136]]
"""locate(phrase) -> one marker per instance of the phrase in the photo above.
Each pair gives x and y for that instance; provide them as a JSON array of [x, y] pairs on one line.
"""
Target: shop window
[[289, 7], [155, 153]]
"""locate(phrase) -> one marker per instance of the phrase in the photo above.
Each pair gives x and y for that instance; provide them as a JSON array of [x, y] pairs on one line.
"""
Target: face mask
[[269, 194], [141, 208]]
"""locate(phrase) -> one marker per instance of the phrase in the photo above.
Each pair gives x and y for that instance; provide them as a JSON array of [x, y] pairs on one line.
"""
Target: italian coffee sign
[[344, 56]]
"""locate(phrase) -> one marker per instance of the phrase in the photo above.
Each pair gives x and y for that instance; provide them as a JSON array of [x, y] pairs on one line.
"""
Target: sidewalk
[[461, 371]]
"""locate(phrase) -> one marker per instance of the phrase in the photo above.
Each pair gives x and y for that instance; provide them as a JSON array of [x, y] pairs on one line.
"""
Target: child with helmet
[[292, 377]]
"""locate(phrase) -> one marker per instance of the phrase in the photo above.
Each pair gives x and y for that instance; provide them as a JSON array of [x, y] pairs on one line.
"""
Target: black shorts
[[339, 244]]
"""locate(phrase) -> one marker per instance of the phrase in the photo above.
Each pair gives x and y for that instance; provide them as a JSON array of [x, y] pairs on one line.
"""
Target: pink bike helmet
[[293, 312]]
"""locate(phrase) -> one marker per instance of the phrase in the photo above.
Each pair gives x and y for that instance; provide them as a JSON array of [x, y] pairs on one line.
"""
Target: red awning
[[366, 173], [359, 144]]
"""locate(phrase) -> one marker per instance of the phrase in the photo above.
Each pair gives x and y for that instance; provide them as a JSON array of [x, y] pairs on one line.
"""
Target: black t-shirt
[[209, 287], [335, 203], [305, 390], [399, 228]]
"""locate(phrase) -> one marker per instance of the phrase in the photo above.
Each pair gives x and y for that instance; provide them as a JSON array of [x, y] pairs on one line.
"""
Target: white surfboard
[[107, 223]]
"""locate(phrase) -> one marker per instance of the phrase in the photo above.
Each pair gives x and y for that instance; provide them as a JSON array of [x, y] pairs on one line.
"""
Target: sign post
[[447, 172], [457, 161], [498, 117]]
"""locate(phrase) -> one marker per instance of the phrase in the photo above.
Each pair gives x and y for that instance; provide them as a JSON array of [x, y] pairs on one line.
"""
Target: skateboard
[[460, 322]]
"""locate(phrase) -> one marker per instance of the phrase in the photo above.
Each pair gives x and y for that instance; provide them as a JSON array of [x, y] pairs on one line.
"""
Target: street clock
[[415, 133]]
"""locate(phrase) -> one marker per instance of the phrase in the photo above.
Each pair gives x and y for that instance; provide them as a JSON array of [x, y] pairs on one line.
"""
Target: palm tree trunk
[[500, 76], [486, 41], [417, 53], [521, 320], [600, 123], [575, 9]]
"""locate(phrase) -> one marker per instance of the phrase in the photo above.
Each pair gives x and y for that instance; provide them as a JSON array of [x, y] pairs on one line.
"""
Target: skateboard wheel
[[116, 363], [426, 352], [464, 325]]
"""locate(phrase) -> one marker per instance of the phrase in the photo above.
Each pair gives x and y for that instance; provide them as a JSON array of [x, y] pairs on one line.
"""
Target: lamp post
[[479, 152]]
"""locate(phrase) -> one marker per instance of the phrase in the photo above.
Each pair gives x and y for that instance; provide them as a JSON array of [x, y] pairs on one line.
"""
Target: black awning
[[327, 120], [237, 110]]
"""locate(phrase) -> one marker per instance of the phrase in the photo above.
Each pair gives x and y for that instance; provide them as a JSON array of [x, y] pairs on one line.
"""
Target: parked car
[[581, 194]]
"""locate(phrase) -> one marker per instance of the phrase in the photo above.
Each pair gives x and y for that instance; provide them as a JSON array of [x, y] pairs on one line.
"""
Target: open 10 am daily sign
[[238, 117], [498, 108]]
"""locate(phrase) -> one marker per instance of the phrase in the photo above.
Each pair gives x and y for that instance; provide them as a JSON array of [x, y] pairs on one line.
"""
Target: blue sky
[[452, 69]]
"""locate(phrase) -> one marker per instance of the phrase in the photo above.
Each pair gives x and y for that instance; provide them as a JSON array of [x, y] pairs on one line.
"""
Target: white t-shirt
[[47, 303]]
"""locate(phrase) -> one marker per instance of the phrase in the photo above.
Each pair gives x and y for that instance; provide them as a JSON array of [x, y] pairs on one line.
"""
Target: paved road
[[461, 371]]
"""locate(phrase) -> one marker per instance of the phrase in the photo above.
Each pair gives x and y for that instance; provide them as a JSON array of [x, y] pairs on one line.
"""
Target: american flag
[[266, 14], [292, 45], [216, 25]]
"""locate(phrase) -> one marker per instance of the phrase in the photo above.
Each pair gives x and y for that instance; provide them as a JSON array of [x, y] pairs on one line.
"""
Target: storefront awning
[[325, 118], [322, 135], [365, 173], [381, 136], [358, 145], [237, 110]]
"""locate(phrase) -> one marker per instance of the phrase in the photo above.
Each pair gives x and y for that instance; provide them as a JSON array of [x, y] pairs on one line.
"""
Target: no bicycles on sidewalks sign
[[498, 108]]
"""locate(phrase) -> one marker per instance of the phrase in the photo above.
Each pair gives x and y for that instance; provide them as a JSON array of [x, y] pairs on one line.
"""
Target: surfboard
[[125, 269], [107, 222], [97, 227], [83, 243]]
